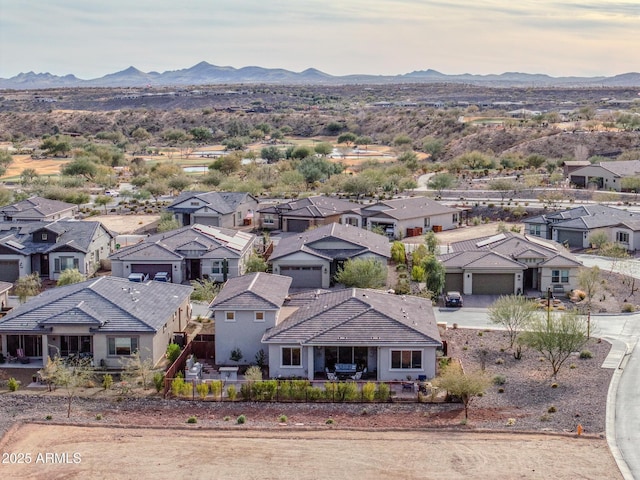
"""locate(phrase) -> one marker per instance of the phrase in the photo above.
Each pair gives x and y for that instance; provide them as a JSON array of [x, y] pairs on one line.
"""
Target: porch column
[[310, 362], [3, 346], [45, 349]]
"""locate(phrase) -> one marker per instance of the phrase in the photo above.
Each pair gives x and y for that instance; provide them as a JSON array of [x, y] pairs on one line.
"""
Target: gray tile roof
[[586, 217], [479, 259], [36, 208], [319, 206], [367, 240], [106, 304], [253, 291], [4, 286], [70, 234], [359, 317], [222, 202], [407, 208], [209, 242], [623, 168]]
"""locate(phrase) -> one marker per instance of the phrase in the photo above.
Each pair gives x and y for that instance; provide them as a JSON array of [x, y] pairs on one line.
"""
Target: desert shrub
[[545, 418], [282, 419], [511, 422], [192, 419], [554, 385], [369, 392], [501, 390], [253, 374], [232, 393], [216, 387], [314, 394], [241, 420], [383, 392], [572, 366], [226, 418], [264, 390], [329, 421], [158, 381], [347, 392], [500, 361], [586, 354], [552, 409], [330, 389], [628, 307], [177, 386], [107, 381], [13, 384], [48, 417], [99, 416], [203, 390], [499, 380]]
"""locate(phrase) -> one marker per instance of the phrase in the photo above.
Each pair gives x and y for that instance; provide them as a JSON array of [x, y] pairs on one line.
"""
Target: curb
[[610, 418]]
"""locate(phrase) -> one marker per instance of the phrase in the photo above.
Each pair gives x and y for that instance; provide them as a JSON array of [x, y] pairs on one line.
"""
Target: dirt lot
[[47, 166], [292, 452], [126, 224]]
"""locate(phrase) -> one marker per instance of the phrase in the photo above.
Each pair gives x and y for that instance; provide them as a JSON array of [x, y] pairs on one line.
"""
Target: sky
[[90, 39]]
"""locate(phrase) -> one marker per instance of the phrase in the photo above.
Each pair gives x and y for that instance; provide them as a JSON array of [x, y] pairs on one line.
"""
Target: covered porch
[[345, 362], [32, 350]]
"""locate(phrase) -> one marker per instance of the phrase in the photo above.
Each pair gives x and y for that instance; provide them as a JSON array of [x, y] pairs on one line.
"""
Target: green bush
[[314, 394], [178, 386], [552, 409], [192, 419], [203, 390], [283, 419], [383, 392], [241, 420], [369, 392], [232, 393], [158, 381], [216, 387], [499, 380], [329, 421], [330, 389], [226, 418], [48, 417], [628, 308], [586, 354], [173, 352], [13, 384], [107, 381], [346, 392], [99, 416]]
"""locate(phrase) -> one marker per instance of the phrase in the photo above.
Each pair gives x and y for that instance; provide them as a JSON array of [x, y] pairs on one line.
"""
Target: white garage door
[[303, 277]]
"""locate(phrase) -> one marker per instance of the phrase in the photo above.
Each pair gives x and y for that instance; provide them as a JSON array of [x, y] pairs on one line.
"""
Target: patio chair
[[357, 376], [22, 358], [332, 376]]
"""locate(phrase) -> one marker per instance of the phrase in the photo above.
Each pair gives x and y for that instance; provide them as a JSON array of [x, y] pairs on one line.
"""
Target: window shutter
[[56, 265], [76, 263]]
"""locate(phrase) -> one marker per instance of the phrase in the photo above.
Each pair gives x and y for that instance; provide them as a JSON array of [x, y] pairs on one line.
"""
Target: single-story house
[[391, 336], [105, 318], [303, 335], [313, 257], [37, 208], [404, 217], [509, 263], [243, 310], [216, 209], [569, 166], [605, 175], [52, 247], [187, 253], [300, 215], [574, 226]]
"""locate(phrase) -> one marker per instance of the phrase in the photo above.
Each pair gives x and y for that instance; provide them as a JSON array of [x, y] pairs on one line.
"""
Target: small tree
[[513, 312], [398, 253], [434, 274], [440, 182], [102, 201], [28, 286], [167, 222], [255, 263], [589, 282], [598, 239], [556, 337], [72, 378], [465, 386], [204, 290], [362, 273], [431, 242], [136, 368], [70, 276]]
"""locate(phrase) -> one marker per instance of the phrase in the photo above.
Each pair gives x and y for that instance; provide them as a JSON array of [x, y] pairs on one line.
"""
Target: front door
[[44, 265], [194, 268]]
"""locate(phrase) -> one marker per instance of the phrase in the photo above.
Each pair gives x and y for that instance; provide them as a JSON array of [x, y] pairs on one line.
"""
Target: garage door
[[210, 221], [303, 277], [493, 284], [453, 282], [573, 238], [297, 225], [9, 270], [150, 270]]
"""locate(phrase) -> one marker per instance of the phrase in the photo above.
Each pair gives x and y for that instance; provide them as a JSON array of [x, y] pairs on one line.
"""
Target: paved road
[[623, 422]]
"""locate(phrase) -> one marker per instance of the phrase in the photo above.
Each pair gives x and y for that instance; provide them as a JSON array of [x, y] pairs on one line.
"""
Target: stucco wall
[[244, 333]]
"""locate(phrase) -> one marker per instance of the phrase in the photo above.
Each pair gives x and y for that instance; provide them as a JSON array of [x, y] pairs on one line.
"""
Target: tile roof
[[479, 259], [319, 206], [407, 208], [585, 217], [253, 291], [106, 304], [358, 317], [18, 236], [210, 242], [367, 240], [4, 286], [36, 208], [221, 202]]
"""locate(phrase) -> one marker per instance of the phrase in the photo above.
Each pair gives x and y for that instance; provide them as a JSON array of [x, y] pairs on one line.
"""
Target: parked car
[[453, 299], [138, 277], [111, 193], [162, 277]]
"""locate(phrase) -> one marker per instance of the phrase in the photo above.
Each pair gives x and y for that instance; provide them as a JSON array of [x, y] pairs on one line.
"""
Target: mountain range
[[207, 74]]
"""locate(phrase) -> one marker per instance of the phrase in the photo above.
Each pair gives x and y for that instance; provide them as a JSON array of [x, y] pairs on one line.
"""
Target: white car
[[111, 193]]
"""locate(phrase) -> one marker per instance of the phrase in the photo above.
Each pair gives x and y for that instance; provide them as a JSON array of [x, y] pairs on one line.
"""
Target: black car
[[453, 299]]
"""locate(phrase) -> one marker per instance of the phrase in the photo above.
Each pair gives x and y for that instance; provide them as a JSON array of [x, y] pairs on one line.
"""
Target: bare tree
[[513, 312]]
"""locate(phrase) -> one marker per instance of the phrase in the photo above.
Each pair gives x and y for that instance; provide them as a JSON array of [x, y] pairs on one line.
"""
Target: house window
[[427, 222], [230, 316], [194, 204], [259, 316], [534, 230], [622, 237], [63, 263], [560, 276], [406, 359], [122, 345], [44, 236], [291, 357], [216, 268], [239, 216], [454, 218], [268, 220]]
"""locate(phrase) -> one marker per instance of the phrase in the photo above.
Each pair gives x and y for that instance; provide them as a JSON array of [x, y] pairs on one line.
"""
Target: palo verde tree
[[362, 273], [69, 276], [465, 386], [71, 378], [556, 337], [589, 282], [28, 286], [513, 312], [138, 370], [440, 182]]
